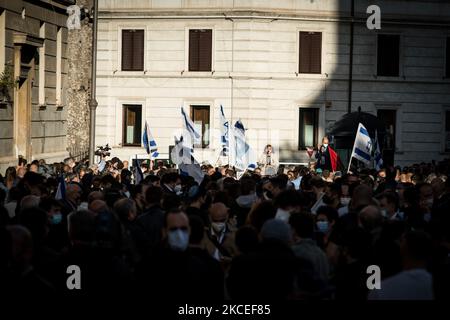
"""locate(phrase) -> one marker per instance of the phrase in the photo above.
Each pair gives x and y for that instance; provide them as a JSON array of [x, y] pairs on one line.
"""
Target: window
[[308, 131], [200, 49], [310, 59], [447, 130], [132, 50], [132, 121], [389, 118], [388, 55], [200, 117], [447, 59]]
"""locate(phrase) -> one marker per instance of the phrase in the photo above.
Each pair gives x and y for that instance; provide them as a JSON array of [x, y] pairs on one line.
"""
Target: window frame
[[317, 130], [322, 56], [118, 69], [400, 55], [186, 48], [124, 127], [191, 115]]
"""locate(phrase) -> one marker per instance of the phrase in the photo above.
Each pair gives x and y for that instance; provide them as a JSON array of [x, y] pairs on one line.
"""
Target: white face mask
[[83, 206], [127, 194], [325, 145], [384, 213], [177, 189], [218, 227], [178, 239], [345, 201], [283, 215]]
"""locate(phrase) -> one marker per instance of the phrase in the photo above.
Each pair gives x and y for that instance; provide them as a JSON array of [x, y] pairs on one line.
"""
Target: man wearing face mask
[[170, 183], [219, 240], [57, 233]]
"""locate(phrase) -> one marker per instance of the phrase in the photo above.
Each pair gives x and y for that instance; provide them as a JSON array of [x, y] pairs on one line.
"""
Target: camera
[[103, 151]]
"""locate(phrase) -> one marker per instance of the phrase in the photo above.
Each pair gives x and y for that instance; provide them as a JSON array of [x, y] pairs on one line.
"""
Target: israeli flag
[[149, 142], [243, 157], [194, 135], [187, 164], [224, 132], [377, 155], [362, 148]]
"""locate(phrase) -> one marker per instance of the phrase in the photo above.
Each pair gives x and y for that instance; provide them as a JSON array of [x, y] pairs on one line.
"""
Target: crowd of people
[[298, 234]]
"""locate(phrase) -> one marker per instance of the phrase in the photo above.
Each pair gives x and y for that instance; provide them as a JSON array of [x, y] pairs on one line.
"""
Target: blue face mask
[[56, 218], [322, 226]]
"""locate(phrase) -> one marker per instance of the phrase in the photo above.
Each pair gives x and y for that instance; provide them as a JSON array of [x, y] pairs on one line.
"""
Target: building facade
[[33, 70], [282, 67]]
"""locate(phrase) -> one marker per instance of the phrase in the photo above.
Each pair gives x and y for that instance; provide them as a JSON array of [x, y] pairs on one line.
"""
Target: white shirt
[[414, 284]]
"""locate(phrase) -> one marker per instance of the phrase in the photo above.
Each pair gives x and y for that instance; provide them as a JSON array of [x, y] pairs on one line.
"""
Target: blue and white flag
[[377, 155], [149, 142], [61, 191], [184, 158], [194, 135], [362, 148], [224, 133], [242, 156]]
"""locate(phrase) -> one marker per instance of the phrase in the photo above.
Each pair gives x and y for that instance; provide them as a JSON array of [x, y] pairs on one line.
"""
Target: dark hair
[[330, 212], [170, 177], [248, 185], [172, 211], [153, 195], [35, 220], [246, 239], [170, 202], [302, 223], [197, 229], [391, 198], [263, 212], [278, 182], [47, 203], [288, 198]]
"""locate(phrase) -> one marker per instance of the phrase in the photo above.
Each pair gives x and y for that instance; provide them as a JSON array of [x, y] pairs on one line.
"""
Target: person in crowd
[[219, 236], [414, 282], [306, 248], [176, 237]]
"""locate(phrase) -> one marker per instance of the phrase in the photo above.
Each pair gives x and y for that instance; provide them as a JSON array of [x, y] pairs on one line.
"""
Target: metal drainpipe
[[93, 103], [350, 71]]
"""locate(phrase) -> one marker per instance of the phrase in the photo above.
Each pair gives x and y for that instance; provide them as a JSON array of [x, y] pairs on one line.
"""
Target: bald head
[[95, 195], [362, 195], [370, 217], [218, 212], [98, 206], [21, 246], [29, 201]]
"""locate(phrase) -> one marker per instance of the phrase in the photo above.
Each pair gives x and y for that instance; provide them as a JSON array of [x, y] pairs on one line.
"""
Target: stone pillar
[[79, 58]]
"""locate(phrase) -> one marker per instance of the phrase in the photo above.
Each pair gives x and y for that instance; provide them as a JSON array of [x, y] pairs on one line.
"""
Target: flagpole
[[353, 150]]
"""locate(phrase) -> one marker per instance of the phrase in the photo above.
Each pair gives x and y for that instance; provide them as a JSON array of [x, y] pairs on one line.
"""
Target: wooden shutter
[[205, 50], [200, 50], [310, 52], [316, 53], [138, 50], [127, 50], [132, 50], [388, 55], [193, 50]]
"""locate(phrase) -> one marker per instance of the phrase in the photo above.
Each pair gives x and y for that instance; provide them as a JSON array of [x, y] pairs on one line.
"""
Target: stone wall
[[79, 52]]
